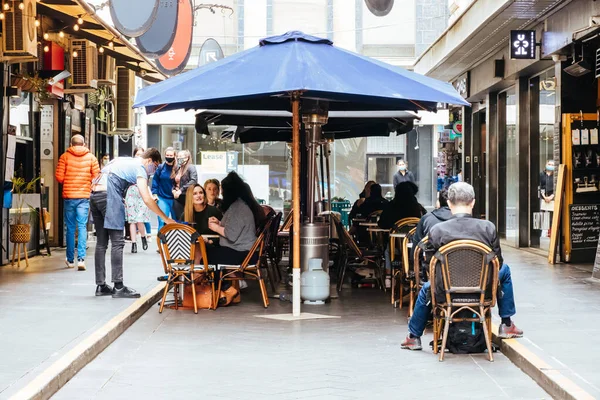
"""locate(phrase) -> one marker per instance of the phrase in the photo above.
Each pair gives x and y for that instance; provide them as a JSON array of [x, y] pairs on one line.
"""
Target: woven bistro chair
[[409, 276], [247, 270], [404, 226], [464, 276], [350, 255], [177, 248], [422, 255], [272, 252]]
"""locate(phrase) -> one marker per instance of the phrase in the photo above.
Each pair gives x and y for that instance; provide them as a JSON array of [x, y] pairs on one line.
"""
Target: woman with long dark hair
[[242, 216], [183, 175]]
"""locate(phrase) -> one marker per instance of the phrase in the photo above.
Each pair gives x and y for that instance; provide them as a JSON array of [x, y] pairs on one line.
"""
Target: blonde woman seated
[[213, 189], [242, 216]]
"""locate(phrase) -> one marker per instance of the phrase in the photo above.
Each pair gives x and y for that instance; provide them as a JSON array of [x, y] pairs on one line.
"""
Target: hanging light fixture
[[46, 48], [6, 6], [80, 20], [21, 5], [75, 53], [75, 27], [1, 15], [46, 36], [61, 34], [111, 45], [37, 22], [101, 50]]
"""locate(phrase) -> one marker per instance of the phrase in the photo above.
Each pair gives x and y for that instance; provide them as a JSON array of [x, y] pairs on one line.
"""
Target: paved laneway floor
[[230, 353], [559, 308], [46, 309]]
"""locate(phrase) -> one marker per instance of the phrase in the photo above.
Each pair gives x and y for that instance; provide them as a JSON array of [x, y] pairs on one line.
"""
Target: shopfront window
[[512, 168], [544, 181]]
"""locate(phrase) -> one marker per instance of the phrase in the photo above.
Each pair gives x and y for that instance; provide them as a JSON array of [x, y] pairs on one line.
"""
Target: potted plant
[[20, 229]]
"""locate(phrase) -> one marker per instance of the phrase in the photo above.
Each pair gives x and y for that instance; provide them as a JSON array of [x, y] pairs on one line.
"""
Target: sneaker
[[125, 292], [80, 265], [70, 264], [411, 343], [388, 283], [243, 284], [104, 290], [162, 278], [509, 332]]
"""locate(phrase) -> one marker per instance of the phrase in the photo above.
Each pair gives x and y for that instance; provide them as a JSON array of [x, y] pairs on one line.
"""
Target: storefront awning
[[100, 32], [482, 29]]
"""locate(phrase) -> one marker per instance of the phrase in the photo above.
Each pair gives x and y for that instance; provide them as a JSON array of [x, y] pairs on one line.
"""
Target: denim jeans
[[76, 217], [98, 207], [166, 205], [505, 297], [148, 228]]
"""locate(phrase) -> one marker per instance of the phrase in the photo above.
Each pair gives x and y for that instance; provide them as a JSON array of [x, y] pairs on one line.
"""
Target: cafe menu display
[[585, 226]]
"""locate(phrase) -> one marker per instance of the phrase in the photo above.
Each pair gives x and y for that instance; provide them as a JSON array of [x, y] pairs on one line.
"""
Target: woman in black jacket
[[184, 175], [404, 205]]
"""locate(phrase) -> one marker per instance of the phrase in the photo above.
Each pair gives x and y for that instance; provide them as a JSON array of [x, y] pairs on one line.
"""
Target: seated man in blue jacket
[[461, 199]]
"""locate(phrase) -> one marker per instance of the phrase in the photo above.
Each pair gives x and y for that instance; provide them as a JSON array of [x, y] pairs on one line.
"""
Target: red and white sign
[[175, 60]]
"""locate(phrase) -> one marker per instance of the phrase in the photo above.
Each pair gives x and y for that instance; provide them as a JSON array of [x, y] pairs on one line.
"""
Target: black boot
[[144, 243], [134, 247]]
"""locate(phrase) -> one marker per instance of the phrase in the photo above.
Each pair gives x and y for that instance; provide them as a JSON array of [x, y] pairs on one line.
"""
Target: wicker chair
[[409, 276], [246, 270], [349, 254], [271, 261], [422, 255], [177, 248], [402, 227], [464, 276]]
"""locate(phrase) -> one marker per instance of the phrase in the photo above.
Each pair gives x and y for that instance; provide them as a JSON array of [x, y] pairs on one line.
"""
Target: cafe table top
[[368, 224], [378, 230], [398, 235]]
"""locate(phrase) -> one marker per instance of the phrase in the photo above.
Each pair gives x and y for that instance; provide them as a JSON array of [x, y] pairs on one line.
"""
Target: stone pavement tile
[[47, 309]]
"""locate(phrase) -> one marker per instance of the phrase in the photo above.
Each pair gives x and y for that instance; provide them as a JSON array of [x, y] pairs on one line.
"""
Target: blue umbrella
[[264, 77]]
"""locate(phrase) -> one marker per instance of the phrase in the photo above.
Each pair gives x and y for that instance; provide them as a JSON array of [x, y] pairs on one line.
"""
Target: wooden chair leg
[[194, 294], [400, 291], [218, 292], [263, 288], [446, 329], [164, 297], [411, 299], [488, 337], [342, 275], [393, 290], [436, 332]]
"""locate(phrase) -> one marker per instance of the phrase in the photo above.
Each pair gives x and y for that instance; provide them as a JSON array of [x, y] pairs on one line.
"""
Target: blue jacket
[[162, 184]]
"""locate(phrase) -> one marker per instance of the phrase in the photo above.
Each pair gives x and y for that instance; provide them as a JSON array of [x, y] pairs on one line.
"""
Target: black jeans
[[98, 208], [228, 256]]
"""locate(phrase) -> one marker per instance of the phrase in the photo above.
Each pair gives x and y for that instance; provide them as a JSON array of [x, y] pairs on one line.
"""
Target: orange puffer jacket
[[76, 169]]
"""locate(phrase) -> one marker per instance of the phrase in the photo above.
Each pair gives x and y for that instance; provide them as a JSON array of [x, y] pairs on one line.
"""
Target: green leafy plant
[[20, 188], [335, 198]]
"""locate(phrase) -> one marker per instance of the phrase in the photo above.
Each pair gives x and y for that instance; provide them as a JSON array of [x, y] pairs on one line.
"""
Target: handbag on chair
[[203, 296]]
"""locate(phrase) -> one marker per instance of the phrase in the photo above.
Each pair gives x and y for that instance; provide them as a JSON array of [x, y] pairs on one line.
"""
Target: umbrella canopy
[[263, 78], [271, 126]]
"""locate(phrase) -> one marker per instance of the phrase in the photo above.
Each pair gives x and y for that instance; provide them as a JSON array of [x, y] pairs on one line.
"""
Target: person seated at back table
[[364, 195], [213, 189], [375, 202], [404, 205], [242, 215], [461, 199]]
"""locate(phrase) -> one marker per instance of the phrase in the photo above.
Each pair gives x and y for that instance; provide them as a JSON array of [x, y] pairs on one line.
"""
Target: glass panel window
[[512, 168]]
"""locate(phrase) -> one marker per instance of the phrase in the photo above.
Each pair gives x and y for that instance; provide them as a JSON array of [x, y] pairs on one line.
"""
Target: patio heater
[[314, 232]]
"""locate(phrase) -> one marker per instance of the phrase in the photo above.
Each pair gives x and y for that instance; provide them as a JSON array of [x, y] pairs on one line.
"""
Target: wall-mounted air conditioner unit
[[84, 66], [19, 33], [125, 117], [107, 73]]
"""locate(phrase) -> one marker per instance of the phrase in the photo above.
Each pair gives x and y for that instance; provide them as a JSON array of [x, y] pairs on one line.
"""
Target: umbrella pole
[[296, 204]]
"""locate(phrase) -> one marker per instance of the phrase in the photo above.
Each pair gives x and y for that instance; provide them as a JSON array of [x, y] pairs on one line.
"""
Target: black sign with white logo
[[522, 45]]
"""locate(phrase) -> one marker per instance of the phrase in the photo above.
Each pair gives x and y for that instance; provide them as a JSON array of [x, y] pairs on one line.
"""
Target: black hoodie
[[428, 220]]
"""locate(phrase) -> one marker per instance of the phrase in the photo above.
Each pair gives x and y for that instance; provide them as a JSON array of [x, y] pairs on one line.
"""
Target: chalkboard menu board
[[585, 225], [596, 271]]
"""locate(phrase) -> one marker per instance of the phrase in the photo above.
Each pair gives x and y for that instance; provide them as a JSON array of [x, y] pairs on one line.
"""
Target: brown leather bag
[[204, 298]]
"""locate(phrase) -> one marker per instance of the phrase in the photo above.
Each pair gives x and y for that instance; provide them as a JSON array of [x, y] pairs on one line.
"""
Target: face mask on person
[[104, 162], [550, 167], [169, 160], [151, 169], [181, 161], [403, 168]]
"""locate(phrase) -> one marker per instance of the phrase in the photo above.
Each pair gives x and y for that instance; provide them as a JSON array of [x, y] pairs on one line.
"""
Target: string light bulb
[[1, 15], [46, 36], [6, 6], [75, 53], [101, 50], [111, 45], [61, 34], [21, 5], [76, 27], [46, 48], [37, 22], [80, 21]]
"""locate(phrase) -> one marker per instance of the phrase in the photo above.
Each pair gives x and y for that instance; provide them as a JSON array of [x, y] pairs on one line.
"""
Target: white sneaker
[[81, 265], [70, 264], [243, 284]]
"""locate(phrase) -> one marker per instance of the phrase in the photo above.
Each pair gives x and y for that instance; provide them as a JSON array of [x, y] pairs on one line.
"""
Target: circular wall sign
[[380, 8], [458, 127], [159, 38], [175, 60], [133, 17]]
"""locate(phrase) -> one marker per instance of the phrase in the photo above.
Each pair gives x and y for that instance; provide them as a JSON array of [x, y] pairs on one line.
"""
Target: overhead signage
[[461, 84], [214, 161], [175, 60], [211, 51], [159, 38], [522, 45], [457, 128], [133, 17]]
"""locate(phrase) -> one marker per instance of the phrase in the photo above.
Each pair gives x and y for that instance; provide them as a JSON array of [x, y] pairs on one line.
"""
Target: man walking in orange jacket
[[76, 170]]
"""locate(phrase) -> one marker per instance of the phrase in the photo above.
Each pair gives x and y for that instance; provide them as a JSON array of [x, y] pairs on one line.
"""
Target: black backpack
[[465, 337]]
